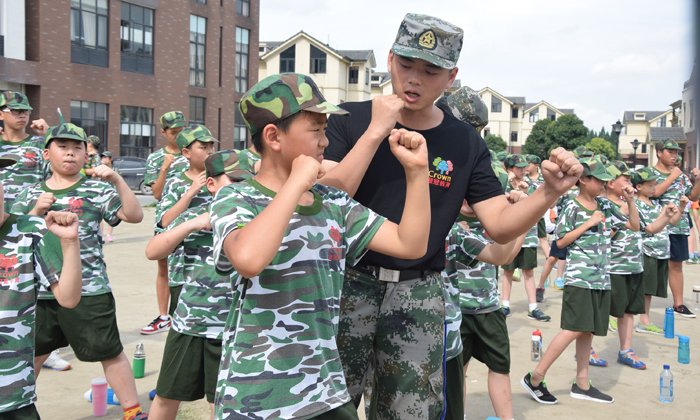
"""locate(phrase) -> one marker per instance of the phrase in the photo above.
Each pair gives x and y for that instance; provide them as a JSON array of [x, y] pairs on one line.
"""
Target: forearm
[[695, 192], [633, 222], [676, 217], [498, 254], [657, 225], [130, 211], [414, 229], [157, 187], [662, 187], [348, 173], [89, 172], [163, 244], [570, 237], [182, 204], [36, 212], [69, 286]]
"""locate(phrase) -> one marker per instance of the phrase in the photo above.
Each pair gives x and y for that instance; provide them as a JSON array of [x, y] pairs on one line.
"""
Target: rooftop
[[663, 133]]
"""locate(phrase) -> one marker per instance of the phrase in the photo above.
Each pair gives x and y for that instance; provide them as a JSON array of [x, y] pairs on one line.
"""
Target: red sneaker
[[156, 326]]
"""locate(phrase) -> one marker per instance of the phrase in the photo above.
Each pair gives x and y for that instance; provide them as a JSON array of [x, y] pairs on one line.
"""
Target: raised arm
[[664, 218], [633, 222], [662, 187], [157, 187], [184, 202], [130, 210], [69, 286], [571, 236], [695, 192], [163, 244], [498, 254]]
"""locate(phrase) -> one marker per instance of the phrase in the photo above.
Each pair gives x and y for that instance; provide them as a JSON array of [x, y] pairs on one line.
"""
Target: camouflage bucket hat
[[667, 144], [617, 168], [107, 154], [533, 159], [173, 119], [429, 38], [466, 105], [195, 132], [15, 100], [595, 168], [225, 162], [94, 140], [502, 155], [500, 172], [65, 131], [281, 95], [643, 175], [5, 162], [516, 160], [582, 151]]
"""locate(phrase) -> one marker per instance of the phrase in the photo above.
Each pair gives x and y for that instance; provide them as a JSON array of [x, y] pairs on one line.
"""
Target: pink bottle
[[99, 397]]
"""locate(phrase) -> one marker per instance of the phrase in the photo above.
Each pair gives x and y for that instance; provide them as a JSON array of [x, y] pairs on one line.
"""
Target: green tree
[[537, 139], [495, 143], [567, 132], [600, 146]]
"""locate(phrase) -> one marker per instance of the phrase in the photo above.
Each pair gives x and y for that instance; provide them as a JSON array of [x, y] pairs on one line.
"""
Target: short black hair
[[282, 125]]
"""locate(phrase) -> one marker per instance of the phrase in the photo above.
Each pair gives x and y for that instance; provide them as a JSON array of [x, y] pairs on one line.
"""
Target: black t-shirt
[[459, 164]]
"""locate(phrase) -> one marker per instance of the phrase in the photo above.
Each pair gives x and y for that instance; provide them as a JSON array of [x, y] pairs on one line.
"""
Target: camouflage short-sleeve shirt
[[30, 256], [681, 186], [280, 357], [206, 296], [656, 246], [91, 161], [30, 168], [155, 161], [626, 249], [588, 258], [531, 240], [93, 200]]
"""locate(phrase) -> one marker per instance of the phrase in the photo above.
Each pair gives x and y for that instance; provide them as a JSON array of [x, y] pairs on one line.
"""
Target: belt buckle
[[388, 275]]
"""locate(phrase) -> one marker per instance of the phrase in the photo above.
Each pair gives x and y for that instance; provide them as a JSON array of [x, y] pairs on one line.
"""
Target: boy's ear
[[271, 137], [162, 131], [45, 154], [186, 152], [453, 76], [211, 185]]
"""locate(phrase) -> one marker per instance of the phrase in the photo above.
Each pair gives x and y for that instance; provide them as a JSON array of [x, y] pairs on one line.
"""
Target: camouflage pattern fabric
[[667, 144], [681, 186], [30, 256], [466, 105], [515, 160], [643, 175], [94, 140], [626, 249], [206, 296], [280, 356], [500, 170], [195, 132], [155, 162], [429, 38], [173, 119], [30, 169], [582, 151], [656, 246], [588, 258], [502, 156], [93, 200], [66, 131], [531, 240], [537, 181], [564, 199], [14, 100], [226, 162], [278, 96], [92, 161]]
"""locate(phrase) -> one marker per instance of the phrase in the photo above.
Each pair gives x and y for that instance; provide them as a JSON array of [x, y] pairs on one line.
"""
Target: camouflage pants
[[394, 333]]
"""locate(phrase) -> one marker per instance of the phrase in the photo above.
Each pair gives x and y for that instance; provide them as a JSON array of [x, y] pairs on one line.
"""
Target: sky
[[598, 57]]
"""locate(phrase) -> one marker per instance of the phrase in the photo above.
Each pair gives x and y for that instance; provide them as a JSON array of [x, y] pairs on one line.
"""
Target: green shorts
[[585, 310], [90, 328], [190, 367], [655, 277], [525, 260], [27, 412], [174, 296], [541, 229], [485, 336], [454, 389], [346, 411], [627, 294]]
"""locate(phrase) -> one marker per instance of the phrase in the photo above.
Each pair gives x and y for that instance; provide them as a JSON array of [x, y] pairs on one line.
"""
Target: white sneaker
[[55, 362]]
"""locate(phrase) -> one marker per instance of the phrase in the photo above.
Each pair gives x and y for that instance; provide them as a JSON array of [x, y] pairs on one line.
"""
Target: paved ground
[[636, 392]]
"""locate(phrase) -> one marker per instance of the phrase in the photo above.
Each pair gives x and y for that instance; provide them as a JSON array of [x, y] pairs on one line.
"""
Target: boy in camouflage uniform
[[106, 159], [16, 144], [672, 185], [93, 157], [35, 253], [162, 165], [193, 349], [91, 327], [584, 226], [533, 177], [288, 239], [655, 242]]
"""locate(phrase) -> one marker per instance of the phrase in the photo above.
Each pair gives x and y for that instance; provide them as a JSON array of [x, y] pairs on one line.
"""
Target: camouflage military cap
[[15, 100], [281, 95], [225, 162], [107, 153], [602, 158], [173, 119], [617, 168], [65, 131], [667, 144], [595, 168], [643, 175], [429, 38], [5, 162], [533, 159], [502, 156], [493, 154], [582, 151], [500, 170], [94, 140], [466, 105], [679, 160], [195, 132], [515, 160]]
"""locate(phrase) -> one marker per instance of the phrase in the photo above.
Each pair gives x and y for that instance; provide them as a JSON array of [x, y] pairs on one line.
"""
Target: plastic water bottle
[[99, 392], [683, 349], [139, 364], [536, 349], [666, 385], [668, 324], [111, 397]]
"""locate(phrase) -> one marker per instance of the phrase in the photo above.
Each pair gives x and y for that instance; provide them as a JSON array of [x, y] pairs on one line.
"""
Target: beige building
[[688, 121], [648, 127], [341, 75]]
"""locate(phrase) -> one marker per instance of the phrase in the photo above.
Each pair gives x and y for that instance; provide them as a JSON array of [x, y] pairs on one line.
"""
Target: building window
[[240, 130], [534, 116], [243, 7], [287, 60], [692, 116], [354, 75], [367, 77], [137, 39], [2, 45], [197, 110], [551, 115], [318, 61], [242, 53], [639, 116], [487, 131], [200, 1], [91, 117], [88, 32], [513, 136], [198, 37], [495, 104], [136, 131], [644, 148], [514, 113], [661, 122]]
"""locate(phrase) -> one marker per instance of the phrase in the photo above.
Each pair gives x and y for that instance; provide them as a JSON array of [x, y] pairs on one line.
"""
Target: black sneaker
[[539, 392], [683, 311], [540, 294], [592, 394]]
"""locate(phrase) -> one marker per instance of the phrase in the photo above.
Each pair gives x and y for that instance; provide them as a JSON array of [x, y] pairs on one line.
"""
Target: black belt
[[373, 270]]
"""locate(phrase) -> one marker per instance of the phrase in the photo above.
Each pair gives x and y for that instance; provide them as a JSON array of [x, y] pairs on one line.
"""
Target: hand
[[198, 183], [409, 148], [168, 160], [104, 172], [511, 176], [40, 127], [201, 222], [44, 203], [595, 218], [670, 210], [63, 224], [628, 193], [675, 172], [306, 170], [695, 172], [560, 171], [523, 186], [385, 113], [514, 196], [684, 202]]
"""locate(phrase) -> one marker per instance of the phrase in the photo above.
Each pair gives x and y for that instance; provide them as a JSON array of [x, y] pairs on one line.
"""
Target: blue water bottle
[[683, 349], [668, 324]]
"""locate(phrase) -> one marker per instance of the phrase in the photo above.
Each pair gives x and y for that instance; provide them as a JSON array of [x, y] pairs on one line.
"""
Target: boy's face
[[15, 122], [91, 148], [417, 82], [198, 152], [668, 156], [532, 169], [67, 157], [171, 133], [647, 188], [215, 183], [106, 160], [592, 186], [305, 136], [518, 172], [619, 183]]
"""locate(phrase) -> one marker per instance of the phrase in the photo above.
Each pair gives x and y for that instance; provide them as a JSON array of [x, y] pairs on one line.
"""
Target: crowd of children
[[290, 285]]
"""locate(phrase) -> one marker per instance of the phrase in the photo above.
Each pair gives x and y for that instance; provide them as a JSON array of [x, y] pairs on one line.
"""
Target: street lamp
[[542, 151], [635, 144], [617, 128]]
